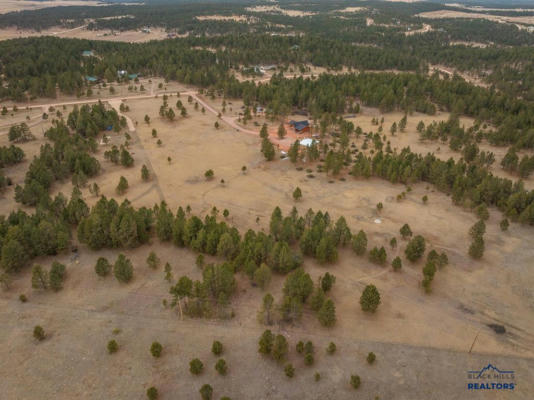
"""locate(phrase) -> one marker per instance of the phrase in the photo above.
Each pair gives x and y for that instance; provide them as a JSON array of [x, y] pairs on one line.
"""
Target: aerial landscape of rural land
[[266, 199]]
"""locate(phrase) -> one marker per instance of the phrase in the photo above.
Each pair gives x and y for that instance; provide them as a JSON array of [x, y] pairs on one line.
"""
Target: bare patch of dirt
[[528, 20], [277, 10]]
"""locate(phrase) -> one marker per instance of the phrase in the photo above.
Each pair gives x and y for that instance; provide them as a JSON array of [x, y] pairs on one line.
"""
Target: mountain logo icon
[[490, 368]]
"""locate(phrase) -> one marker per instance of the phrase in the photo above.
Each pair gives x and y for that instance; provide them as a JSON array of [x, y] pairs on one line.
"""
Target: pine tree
[[476, 249], [145, 174], [39, 277], [280, 348], [327, 313], [415, 249], [297, 194], [122, 186], [264, 134], [396, 263], [359, 243], [327, 281], [57, 275], [102, 267], [123, 269], [317, 299], [262, 276], [152, 260], [293, 152], [405, 231], [267, 149], [281, 131], [265, 315], [266, 342], [370, 299]]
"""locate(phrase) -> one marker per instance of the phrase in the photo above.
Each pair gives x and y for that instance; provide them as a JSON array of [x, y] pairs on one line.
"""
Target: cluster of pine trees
[[67, 156], [469, 184], [89, 121]]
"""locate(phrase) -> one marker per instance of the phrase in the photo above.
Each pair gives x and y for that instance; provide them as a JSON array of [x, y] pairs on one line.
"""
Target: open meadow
[[421, 341]]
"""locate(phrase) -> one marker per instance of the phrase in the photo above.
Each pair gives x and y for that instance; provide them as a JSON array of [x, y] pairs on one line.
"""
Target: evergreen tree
[[281, 131], [206, 392], [415, 249], [327, 281], [57, 275], [267, 149], [152, 393], [370, 299], [429, 271], [102, 267], [195, 366], [152, 260], [217, 348], [122, 186], [145, 174], [405, 231], [266, 342], [280, 348], [39, 277], [265, 315], [14, 256], [317, 299], [293, 152], [297, 194], [327, 313], [221, 366], [396, 263], [359, 243], [262, 276], [264, 134], [155, 349], [123, 269], [476, 249]]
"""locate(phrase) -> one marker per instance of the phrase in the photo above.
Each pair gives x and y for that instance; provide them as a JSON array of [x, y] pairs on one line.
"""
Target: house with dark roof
[[300, 126]]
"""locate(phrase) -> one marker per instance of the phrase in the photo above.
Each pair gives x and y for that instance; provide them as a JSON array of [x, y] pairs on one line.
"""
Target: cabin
[[300, 126], [88, 53], [91, 79]]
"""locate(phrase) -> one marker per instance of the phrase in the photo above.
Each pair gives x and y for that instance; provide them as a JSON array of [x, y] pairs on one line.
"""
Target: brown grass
[[421, 341]]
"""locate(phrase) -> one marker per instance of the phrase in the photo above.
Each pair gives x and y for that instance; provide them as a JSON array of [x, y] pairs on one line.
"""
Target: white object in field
[[306, 142], [378, 221]]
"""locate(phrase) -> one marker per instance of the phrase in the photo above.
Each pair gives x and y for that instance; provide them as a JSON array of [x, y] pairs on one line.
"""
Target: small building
[[91, 79], [88, 53], [300, 126], [122, 73], [132, 76]]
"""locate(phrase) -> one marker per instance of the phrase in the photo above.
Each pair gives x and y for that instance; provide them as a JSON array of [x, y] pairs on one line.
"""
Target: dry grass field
[[525, 20], [422, 341], [22, 5], [130, 36]]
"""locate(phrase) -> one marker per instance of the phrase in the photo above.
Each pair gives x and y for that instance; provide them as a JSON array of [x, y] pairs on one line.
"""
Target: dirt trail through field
[[141, 152]]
